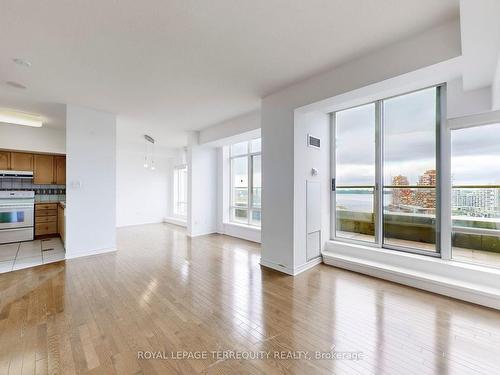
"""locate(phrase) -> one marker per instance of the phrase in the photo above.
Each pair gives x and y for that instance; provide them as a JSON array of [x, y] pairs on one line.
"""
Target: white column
[[202, 188], [91, 181]]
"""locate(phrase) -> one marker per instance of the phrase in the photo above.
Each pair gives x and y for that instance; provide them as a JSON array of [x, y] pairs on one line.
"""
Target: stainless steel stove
[[16, 216]]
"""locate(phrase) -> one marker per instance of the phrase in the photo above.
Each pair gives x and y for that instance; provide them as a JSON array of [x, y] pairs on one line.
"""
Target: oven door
[[16, 216]]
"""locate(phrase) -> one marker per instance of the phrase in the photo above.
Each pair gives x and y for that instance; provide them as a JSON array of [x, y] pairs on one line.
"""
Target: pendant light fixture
[[149, 140], [145, 154]]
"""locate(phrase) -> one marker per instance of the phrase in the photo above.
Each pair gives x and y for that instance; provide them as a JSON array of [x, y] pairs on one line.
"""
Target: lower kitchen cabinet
[[61, 224], [46, 219]]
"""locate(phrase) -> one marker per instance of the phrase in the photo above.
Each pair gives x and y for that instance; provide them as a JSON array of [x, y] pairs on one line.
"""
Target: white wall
[[91, 176], [202, 188], [465, 103], [280, 205], [233, 128], [25, 138], [141, 194], [305, 159], [495, 87]]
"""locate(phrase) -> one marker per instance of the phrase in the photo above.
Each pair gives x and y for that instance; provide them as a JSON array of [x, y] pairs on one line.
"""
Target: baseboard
[[276, 267], [138, 224], [452, 288], [241, 231], [201, 234], [307, 265], [175, 221], [288, 270], [89, 253]]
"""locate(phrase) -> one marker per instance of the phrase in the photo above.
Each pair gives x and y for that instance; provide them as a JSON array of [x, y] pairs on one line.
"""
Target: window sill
[[176, 221], [246, 232], [246, 226], [473, 283]]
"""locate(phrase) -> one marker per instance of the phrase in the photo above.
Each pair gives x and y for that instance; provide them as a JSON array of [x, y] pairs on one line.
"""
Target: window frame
[[176, 170], [249, 155], [443, 177]]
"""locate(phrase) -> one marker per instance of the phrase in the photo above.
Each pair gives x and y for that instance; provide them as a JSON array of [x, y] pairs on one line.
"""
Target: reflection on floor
[[164, 293], [18, 255], [487, 258]]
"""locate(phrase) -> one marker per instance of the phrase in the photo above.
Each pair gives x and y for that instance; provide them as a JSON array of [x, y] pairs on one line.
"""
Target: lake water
[[356, 202]]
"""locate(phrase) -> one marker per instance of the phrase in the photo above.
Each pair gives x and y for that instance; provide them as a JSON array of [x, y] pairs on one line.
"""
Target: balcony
[[473, 239]]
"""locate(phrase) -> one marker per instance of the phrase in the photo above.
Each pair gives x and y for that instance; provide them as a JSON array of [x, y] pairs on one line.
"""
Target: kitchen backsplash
[[43, 193]]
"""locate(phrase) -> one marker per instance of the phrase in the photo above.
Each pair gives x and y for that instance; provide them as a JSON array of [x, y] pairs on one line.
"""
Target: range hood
[[16, 174]]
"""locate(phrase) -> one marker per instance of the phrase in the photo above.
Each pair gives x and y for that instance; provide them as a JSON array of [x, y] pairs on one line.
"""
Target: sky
[[409, 143]]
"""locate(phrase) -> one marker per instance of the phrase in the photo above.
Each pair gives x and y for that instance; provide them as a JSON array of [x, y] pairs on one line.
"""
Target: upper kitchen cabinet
[[60, 170], [44, 170], [4, 160], [47, 169], [21, 161]]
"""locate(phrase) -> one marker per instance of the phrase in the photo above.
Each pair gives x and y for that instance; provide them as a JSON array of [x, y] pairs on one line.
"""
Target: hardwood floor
[[162, 293]]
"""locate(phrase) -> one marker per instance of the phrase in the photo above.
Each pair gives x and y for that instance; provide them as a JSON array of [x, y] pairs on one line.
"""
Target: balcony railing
[[475, 233]]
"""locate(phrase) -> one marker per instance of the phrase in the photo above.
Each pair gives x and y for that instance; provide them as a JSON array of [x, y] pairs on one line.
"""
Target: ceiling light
[[20, 118], [22, 62], [148, 140], [16, 85]]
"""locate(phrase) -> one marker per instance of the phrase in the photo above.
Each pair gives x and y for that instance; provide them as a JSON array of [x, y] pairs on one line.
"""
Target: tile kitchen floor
[[18, 255]]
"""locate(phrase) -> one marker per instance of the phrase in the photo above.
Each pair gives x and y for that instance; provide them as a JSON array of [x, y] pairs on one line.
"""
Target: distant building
[[426, 198], [401, 196], [428, 178], [479, 202]]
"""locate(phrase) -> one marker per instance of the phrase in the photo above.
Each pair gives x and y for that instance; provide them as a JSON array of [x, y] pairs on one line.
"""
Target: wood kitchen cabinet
[[60, 170], [21, 161], [47, 169], [44, 169], [46, 219], [4, 160], [61, 225]]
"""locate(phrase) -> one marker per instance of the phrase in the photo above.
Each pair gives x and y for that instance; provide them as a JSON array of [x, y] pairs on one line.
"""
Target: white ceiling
[[167, 66], [53, 114]]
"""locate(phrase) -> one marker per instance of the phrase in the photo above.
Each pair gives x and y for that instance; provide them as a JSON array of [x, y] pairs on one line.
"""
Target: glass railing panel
[[355, 215], [476, 224], [410, 217]]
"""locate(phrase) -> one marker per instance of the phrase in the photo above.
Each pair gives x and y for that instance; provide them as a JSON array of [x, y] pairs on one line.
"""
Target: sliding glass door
[[386, 172]]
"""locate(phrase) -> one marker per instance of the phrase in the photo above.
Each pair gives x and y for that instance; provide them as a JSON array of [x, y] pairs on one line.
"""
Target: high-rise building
[[426, 198], [477, 202], [401, 196], [428, 178]]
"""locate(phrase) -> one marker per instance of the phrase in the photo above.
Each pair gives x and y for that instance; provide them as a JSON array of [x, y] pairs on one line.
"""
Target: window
[[180, 191], [475, 199], [246, 182], [386, 172]]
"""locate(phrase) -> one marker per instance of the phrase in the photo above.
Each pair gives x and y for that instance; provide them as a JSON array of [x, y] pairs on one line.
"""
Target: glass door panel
[[410, 171], [355, 173]]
